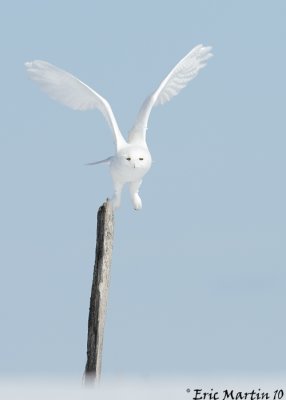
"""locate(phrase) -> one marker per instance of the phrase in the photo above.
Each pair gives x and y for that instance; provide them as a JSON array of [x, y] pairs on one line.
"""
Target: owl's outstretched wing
[[70, 91], [186, 70]]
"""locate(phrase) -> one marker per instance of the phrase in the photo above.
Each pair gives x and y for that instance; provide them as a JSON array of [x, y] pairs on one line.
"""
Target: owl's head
[[135, 157]]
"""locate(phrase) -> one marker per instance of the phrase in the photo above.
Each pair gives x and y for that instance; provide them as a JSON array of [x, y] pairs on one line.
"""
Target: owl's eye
[[141, 158], [128, 159]]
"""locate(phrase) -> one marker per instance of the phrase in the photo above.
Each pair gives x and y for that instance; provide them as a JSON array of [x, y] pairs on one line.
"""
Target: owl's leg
[[117, 194], [134, 189]]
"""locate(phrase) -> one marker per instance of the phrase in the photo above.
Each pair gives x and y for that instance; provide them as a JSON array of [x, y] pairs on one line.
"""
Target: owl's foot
[[116, 199], [137, 202], [134, 188]]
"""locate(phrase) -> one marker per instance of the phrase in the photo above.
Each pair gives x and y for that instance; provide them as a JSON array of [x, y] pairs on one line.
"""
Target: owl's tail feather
[[105, 161]]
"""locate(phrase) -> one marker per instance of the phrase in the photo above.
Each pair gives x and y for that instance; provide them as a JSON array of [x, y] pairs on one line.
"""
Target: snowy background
[[183, 388], [198, 276]]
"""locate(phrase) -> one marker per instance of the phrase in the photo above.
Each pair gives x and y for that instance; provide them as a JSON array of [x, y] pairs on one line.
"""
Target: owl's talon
[[137, 203]]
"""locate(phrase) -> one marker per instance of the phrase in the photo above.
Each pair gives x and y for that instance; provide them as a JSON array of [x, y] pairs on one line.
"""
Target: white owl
[[132, 159]]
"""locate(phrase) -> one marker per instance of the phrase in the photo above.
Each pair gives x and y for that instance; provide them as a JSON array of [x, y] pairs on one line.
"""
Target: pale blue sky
[[198, 276]]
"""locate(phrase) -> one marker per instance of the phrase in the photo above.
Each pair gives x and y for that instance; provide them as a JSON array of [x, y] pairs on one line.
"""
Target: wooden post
[[99, 292]]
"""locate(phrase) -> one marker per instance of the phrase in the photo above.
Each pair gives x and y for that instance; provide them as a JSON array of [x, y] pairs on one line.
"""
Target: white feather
[[70, 91], [186, 70]]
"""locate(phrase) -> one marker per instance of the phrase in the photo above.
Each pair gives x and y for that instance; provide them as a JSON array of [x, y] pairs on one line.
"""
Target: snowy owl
[[132, 159]]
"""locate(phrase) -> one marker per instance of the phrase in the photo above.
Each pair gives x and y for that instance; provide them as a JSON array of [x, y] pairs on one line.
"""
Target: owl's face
[[135, 157]]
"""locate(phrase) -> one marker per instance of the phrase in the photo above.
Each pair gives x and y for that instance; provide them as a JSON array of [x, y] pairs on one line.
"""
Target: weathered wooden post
[[99, 292]]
